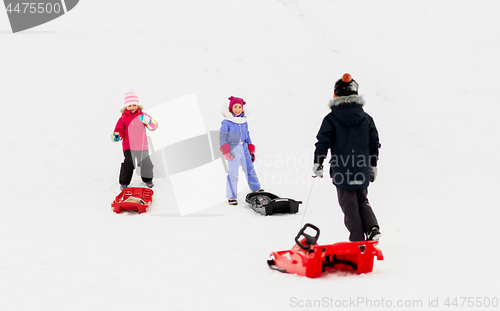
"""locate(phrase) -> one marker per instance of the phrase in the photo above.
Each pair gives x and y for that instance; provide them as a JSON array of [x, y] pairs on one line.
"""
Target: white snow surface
[[428, 71]]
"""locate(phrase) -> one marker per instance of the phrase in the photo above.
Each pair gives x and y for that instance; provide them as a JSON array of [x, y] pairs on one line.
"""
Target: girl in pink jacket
[[131, 130]]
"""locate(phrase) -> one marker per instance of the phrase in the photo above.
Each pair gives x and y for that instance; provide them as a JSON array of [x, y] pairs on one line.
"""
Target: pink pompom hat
[[130, 99]]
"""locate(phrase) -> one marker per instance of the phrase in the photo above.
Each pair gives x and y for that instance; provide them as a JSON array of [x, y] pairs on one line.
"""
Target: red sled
[[309, 259], [133, 199]]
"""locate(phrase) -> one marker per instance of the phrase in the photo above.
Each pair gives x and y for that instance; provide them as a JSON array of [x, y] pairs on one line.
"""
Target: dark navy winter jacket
[[350, 133]]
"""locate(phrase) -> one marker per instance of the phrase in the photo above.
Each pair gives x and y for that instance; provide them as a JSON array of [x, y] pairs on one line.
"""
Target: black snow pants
[[358, 214], [141, 157]]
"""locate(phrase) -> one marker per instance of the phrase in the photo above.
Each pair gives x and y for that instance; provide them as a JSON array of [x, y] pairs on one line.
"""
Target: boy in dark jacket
[[352, 137]]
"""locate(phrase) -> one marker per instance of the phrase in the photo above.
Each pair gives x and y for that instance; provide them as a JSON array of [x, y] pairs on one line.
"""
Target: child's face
[[237, 109], [132, 108]]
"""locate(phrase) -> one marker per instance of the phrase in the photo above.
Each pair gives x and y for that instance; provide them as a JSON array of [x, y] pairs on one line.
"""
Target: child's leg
[[146, 166], [249, 170], [348, 201], [232, 178], [127, 168], [365, 210], [231, 187]]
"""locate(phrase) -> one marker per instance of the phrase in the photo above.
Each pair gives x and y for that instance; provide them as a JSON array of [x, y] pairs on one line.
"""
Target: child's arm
[[150, 123], [374, 143], [248, 140], [251, 147], [223, 138], [119, 129], [223, 133], [326, 139]]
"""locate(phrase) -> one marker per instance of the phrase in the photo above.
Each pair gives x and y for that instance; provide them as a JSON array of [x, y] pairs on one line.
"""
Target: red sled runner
[[309, 259], [133, 199]]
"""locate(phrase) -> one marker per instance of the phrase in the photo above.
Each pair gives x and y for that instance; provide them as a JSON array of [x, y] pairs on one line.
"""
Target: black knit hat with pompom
[[346, 86]]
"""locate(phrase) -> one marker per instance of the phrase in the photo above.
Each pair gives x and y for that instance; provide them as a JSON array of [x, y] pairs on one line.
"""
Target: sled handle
[[311, 240]]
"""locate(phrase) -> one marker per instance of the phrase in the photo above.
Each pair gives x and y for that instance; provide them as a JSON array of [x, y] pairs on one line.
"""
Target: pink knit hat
[[130, 99], [235, 100]]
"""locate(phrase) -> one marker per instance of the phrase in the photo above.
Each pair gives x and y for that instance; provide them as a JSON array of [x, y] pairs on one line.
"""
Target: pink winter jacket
[[133, 131]]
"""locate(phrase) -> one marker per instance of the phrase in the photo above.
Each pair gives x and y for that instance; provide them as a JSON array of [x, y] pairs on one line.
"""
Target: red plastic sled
[[143, 195], [309, 259]]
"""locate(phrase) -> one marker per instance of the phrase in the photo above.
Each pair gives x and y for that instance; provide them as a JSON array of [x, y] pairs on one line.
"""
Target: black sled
[[266, 203]]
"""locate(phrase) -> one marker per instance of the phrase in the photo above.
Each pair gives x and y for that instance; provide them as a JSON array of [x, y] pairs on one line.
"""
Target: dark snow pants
[[141, 157], [358, 214]]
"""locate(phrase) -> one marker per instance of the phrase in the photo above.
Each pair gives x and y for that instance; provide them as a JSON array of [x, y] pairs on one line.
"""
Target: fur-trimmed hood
[[348, 109], [230, 117], [351, 99], [139, 107]]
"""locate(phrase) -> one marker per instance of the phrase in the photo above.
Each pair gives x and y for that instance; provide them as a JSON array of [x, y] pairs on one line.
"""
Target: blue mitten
[[115, 137]]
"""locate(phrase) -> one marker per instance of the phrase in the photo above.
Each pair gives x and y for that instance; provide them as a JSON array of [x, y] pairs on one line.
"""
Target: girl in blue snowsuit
[[237, 147]]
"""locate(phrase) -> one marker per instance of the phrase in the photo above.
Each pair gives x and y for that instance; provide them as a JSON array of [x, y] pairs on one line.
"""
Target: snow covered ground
[[427, 69]]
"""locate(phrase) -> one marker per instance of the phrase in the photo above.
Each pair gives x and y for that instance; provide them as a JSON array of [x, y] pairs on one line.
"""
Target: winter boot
[[373, 234]]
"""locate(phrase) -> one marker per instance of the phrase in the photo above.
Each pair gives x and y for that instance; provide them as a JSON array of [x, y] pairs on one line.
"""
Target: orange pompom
[[346, 78]]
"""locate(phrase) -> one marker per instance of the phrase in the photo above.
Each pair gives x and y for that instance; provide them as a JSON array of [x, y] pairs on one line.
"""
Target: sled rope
[[307, 203]]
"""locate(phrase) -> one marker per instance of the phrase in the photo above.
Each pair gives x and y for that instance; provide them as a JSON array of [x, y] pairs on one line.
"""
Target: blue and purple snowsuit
[[234, 132]]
